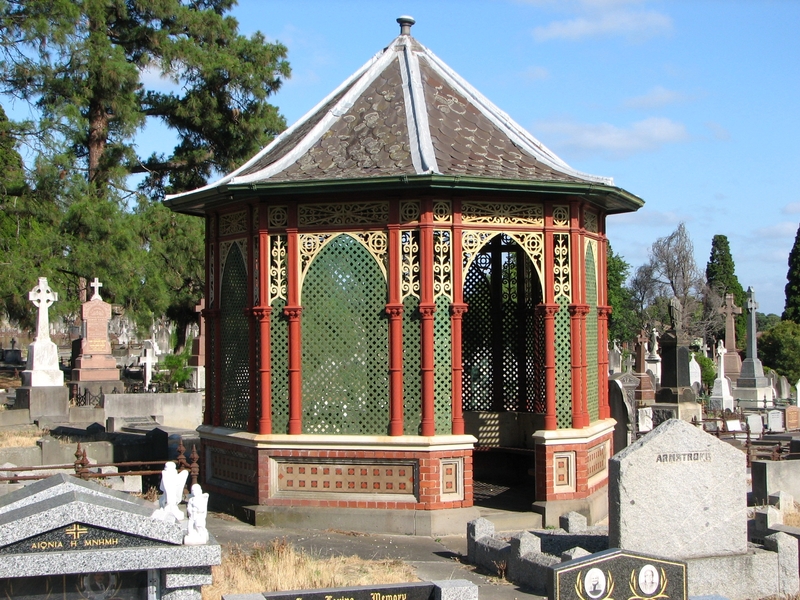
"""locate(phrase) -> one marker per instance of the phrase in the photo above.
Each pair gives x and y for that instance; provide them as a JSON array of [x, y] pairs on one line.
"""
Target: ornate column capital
[[578, 310], [293, 312], [547, 310], [604, 311], [394, 310], [261, 313], [458, 310]]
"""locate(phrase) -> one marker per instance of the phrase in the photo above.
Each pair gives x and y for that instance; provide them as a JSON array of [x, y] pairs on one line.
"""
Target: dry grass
[[8, 380], [281, 567], [792, 519], [21, 437]]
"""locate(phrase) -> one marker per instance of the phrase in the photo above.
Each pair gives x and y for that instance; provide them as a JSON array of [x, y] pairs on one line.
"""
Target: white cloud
[[635, 25], [656, 98], [153, 79], [535, 74], [791, 209], [718, 131], [612, 141], [785, 229]]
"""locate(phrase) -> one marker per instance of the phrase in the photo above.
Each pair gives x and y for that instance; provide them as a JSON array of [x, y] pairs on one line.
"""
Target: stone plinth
[[50, 401], [42, 368], [721, 396], [678, 492]]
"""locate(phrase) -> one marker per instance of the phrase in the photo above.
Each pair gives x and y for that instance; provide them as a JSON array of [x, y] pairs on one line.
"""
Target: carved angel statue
[[172, 484], [197, 508]]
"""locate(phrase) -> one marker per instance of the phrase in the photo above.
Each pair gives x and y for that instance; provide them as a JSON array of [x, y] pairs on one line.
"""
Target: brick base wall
[[363, 478]]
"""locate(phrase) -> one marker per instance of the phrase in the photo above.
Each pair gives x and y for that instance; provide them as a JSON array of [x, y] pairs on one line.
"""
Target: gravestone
[[653, 358], [675, 382], [721, 396], [792, 418], [752, 387], [197, 360], [785, 388], [775, 421], [678, 492], [695, 373], [622, 389], [95, 367], [645, 419], [733, 362], [614, 359], [450, 589], [756, 424], [596, 576], [43, 392], [62, 537]]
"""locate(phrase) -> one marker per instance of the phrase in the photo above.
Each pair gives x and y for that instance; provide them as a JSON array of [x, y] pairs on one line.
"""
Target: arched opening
[[502, 339]]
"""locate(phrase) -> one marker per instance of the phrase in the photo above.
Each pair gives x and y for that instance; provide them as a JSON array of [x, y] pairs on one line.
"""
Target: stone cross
[[752, 305], [721, 352], [96, 285], [628, 363], [42, 297], [13, 343], [730, 310], [641, 349]]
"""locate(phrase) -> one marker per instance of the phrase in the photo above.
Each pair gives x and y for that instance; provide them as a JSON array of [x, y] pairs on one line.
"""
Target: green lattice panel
[[279, 354], [412, 392], [211, 371], [443, 367], [563, 366], [537, 404], [235, 342], [591, 338], [476, 334], [345, 342], [510, 327]]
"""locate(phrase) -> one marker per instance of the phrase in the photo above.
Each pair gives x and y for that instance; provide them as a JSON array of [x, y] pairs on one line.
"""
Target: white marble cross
[[96, 285], [42, 297]]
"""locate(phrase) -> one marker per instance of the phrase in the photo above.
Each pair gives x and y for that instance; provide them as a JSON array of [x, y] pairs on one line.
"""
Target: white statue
[[172, 484], [197, 508]]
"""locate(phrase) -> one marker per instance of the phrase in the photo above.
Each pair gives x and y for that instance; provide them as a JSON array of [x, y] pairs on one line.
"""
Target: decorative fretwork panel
[[232, 223], [501, 341], [277, 268], [563, 365], [536, 349], [561, 271], [473, 241], [412, 385], [256, 271], [590, 221], [442, 264], [225, 250], [442, 370], [212, 288], [409, 212], [351, 213], [442, 211], [279, 355], [591, 335], [235, 343], [561, 215], [409, 268], [277, 217], [597, 460], [502, 213], [345, 342]]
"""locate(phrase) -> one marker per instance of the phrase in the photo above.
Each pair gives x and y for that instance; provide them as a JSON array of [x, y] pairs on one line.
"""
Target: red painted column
[[427, 308], [262, 317], [394, 309], [575, 358], [457, 310], [603, 312], [548, 312], [293, 310], [580, 413]]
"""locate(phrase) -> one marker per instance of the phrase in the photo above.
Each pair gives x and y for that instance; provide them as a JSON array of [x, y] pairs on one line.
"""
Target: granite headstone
[[678, 492]]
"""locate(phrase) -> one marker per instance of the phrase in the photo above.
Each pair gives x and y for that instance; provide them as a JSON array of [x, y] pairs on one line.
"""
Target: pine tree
[[791, 310], [721, 279], [86, 68]]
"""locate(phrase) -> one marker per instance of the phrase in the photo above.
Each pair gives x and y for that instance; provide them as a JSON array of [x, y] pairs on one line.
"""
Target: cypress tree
[[721, 278], [791, 310]]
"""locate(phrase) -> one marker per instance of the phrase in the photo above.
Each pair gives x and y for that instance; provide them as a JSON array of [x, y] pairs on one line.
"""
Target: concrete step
[[506, 520]]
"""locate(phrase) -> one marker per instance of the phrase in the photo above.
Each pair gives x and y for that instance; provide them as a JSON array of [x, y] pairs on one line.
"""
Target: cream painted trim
[[574, 436], [400, 443]]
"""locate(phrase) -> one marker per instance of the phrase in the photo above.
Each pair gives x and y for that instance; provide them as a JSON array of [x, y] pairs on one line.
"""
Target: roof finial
[[405, 24]]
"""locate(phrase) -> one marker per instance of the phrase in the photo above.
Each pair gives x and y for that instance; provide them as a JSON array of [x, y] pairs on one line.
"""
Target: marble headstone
[[42, 368], [756, 424], [775, 421], [678, 492]]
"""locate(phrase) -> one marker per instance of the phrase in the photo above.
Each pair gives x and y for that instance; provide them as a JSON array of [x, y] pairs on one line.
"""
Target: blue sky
[[692, 105]]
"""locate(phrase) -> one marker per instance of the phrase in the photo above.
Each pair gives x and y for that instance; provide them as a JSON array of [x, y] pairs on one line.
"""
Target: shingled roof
[[405, 113]]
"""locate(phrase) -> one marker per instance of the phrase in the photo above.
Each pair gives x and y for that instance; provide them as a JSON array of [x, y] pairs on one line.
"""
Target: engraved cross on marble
[[42, 297], [96, 285]]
